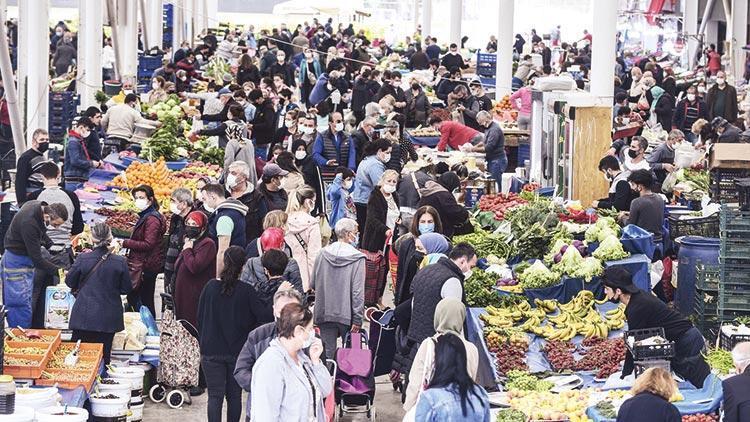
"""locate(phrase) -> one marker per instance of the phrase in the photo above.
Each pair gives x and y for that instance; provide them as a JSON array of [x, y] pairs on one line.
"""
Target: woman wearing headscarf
[[426, 220], [195, 266], [424, 246], [450, 315], [663, 107]]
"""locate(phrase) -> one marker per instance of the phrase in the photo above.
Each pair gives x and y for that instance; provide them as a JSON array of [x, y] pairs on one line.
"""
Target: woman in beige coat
[[450, 315]]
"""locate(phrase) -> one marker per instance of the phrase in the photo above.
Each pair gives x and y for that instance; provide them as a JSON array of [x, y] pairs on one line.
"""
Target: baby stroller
[[355, 383], [179, 357]]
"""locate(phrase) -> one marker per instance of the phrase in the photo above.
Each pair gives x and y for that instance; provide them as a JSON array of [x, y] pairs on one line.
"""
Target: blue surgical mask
[[426, 228]]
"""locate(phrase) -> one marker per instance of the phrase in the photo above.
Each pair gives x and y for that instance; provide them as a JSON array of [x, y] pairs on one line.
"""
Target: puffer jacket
[[303, 236], [253, 274], [145, 243]]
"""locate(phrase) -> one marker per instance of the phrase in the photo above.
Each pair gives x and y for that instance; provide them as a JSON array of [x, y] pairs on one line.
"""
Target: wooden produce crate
[[36, 350], [67, 378], [49, 337], [31, 368], [84, 373]]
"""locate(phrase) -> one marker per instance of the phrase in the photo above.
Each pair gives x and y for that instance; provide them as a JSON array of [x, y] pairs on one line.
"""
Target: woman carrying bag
[[97, 279]]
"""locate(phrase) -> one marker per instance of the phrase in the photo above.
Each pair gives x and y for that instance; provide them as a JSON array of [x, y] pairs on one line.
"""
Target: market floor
[[387, 401]]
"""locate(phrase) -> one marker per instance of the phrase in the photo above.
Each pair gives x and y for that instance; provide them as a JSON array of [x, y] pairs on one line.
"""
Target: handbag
[[135, 268], [83, 282]]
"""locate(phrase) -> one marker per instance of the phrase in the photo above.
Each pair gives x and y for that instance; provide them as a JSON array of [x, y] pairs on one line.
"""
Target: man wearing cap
[[78, 162], [728, 133], [273, 197], [644, 310]]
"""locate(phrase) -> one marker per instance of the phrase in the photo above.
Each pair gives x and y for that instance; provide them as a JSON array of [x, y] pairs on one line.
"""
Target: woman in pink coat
[[303, 232]]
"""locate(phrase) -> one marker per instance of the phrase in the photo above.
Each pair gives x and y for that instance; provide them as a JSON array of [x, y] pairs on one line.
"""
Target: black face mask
[[632, 153], [192, 232], [43, 147]]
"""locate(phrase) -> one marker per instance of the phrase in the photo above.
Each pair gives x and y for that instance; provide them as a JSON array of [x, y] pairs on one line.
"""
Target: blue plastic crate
[[524, 153], [149, 62]]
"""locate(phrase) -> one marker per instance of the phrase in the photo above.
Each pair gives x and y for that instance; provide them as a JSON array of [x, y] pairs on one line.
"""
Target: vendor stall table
[[638, 267], [425, 141]]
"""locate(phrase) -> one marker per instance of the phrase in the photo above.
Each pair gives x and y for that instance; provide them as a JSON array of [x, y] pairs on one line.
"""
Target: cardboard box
[[730, 156]]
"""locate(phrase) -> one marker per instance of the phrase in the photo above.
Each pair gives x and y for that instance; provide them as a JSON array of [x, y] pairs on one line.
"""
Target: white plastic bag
[[656, 272]]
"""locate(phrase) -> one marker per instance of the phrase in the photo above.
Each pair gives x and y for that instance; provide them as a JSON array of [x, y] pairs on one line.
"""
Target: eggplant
[[564, 248], [558, 258]]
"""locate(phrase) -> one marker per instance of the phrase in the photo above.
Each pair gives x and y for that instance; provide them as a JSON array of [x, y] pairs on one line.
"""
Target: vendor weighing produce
[[644, 310]]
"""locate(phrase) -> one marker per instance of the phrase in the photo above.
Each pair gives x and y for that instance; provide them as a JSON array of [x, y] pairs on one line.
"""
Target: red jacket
[[145, 243], [454, 134], [194, 268]]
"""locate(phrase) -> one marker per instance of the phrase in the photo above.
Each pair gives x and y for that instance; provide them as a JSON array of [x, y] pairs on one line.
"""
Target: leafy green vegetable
[[610, 249], [479, 289], [486, 243], [537, 276], [165, 143], [569, 263], [589, 268], [603, 228]]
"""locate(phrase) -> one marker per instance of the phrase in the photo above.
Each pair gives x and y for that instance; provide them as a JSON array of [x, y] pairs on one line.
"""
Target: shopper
[[454, 134], [227, 311], [97, 279], [195, 266], [650, 399], [158, 92], [263, 125], [435, 282], [28, 178], [620, 195], [287, 384], [64, 55], [369, 173], [339, 283], [274, 219], [303, 232], [635, 158], [181, 204], [646, 211], [273, 196], [412, 253], [247, 71], [418, 107], [439, 195], [661, 159], [494, 147], [24, 241], [226, 223], [240, 179], [309, 72], [382, 214], [145, 252], [477, 102], [451, 394], [258, 341], [254, 272], [453, 58], [339, 193], [120, 120], [333, 147], [78, 162], [721, 99], [294, 179], [735, 389], [450, 316], [521, 101], [689, 110], [662, 107]]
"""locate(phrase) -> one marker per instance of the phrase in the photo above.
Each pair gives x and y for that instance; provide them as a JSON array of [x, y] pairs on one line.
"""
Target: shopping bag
[[637, 241]]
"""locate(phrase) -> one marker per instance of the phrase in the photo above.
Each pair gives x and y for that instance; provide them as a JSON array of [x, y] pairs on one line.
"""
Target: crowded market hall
[[327, 210]]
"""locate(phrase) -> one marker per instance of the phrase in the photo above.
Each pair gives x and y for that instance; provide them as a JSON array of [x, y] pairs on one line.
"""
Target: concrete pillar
[[739, 35], [33, 63], [153, 23], [690, 28], [427, 18], [212, 13], [90, 51], [504, 64], [178, 22], [127, 23], [200, 23], [189, 16], [603, 54], [456, 11]]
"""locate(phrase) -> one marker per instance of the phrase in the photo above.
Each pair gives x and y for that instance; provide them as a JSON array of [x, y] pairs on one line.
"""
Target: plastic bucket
[[692, 250], [21, 414], [122, 388], [61, 414], [136, 413], [112, 87], [132, 375], [37, 398], [111, 409]]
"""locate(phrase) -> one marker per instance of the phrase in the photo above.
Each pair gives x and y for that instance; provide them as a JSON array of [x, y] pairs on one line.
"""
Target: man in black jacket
[[393, 87], [453, 58], [259, 339], [737, 388], [28, 178], [620, 195], [363, 136], [24, 240], [479, 101], [263, 126], [228, 100]]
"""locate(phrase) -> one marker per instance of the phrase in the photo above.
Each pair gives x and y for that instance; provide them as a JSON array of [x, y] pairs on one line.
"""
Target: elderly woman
[[195, 266], [97, 279]]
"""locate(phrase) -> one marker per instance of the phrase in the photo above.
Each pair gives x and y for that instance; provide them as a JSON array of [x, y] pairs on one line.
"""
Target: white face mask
[[155, 85], [174, 209], [232, 181], [691, 97], [701, 89], [141, 203], [339, 127], [300, 155], [389, 188], [307, 130], [386, 158], [209, 208], [347, 185], [625, 120], [288, 123], [720, 81]]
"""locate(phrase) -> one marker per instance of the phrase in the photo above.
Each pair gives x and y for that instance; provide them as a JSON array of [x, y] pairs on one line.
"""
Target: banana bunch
[[599, 329], [549, 306], [200, 86], [615, 318], [563, 334]]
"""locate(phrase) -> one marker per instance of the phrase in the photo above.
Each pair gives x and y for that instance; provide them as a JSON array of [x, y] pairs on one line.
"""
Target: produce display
[[569, 260], [610, 250], [207, 151], [511, 415], [167, 110], [701, 417], [499, 204], [156, 175], [533, 226], [428, 131], [720, 361], [523, 381], [606, 409], [510, 349], [123, 221], [537, 276], [487, 244], [7, 349], [598, 354], [548, 406], [603, 228], [167, 142], [695, 179], [479, 289], [13, 361]]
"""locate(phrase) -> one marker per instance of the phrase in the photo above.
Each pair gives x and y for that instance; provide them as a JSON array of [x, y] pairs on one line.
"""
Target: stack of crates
[[62, 111], [168, 25], [722, 184], [706, 308], [734, 260], [146, 67], [649, 356], [487, 67]]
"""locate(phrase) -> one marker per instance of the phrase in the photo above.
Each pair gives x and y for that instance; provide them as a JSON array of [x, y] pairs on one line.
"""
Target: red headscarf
[[272, 238], [198, 218]]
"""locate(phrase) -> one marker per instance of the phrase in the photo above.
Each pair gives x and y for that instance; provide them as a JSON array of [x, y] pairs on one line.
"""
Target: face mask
[[280, 59], [192, 232], [300, 155], [307, 130], [389, 188], [347, 185], [614, 300], [59, 33], [155, 85], [636, 78], [607, 177], [199, 57], [339, 127], [128, 91], [701, 89], [288, 123], [309, 340], [355, 242], [691, 97], [174, 209], [209, 208], [632, 153], [720, 81], [426, 228], [43, 147], [84, 134], [625, 120], [232, 181], [183, 79], [386, 158], [141, 203]]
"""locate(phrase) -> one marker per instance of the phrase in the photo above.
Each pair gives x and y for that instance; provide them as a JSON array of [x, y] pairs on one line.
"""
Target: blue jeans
[[496, 168], [17, 276]]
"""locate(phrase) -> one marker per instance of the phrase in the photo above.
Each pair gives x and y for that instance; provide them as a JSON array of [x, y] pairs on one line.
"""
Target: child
[[340, 194], [274, 264]]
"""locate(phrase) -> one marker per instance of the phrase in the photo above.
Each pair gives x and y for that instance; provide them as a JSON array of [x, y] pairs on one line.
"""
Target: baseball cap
[[272, 170], [619, 278]]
